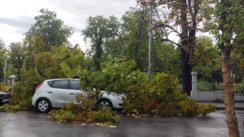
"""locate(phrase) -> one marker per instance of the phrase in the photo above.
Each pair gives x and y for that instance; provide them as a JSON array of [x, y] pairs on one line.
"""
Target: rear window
[[63, 84], [74, 84], [50, 83]]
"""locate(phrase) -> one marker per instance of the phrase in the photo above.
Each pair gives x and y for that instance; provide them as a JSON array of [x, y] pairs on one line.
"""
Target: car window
[[63, 84], [50, 83], [74, 84]]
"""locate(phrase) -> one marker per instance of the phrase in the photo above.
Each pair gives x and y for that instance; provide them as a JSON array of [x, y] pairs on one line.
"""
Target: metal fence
[[211, 95], [214, 96]]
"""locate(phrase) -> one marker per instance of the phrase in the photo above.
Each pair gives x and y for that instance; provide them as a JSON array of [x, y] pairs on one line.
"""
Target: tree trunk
[[231, 119], [185, 48], [186, 72]]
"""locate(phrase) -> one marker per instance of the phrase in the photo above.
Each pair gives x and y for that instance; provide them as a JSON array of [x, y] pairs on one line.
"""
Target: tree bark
[[185, 49], [231, 119], [186, 72]]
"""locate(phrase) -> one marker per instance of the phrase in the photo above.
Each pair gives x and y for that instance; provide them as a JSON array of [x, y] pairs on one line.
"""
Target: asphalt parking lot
[[25, 124]]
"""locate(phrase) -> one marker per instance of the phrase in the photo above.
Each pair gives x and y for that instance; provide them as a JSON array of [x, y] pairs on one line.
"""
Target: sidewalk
[[221, 105]]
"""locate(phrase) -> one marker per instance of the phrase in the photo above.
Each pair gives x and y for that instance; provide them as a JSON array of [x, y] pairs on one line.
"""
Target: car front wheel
[[43, 105], [104, 103]]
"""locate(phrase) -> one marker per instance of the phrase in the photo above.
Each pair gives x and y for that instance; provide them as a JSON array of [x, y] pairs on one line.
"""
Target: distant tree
[[166, 58], [206, 60], [2, 44], [48, 29], [135, 37], [97, 32], [16, 58], [2, 58]]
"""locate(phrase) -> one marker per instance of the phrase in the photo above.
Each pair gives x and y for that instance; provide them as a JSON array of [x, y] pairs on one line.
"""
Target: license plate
[[4, 100]]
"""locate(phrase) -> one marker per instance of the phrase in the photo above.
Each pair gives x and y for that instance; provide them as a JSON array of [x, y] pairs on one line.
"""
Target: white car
[[55, 93]]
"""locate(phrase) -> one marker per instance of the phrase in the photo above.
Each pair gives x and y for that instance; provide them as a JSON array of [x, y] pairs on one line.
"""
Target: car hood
[[112, 94], [3, 93]]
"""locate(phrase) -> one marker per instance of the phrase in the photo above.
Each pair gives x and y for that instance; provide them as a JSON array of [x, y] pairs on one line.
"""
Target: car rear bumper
[[34, 98]]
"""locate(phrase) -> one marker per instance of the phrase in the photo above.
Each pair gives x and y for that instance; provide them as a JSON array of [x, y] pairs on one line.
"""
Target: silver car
[[55, 93]]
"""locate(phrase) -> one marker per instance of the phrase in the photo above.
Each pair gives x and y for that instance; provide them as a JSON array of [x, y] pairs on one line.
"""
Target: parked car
[[55, 93], [4, 97]]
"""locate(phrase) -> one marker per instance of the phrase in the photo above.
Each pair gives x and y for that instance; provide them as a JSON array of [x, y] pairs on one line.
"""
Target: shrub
[[188, 107], [137, 91], [11, 108], [22, 92], [159, 95], [106, 115], [88, 117], [84, 111], [205, 109], [205, 86], [5, 87], [58, 62], [239, 88], [62, 115]]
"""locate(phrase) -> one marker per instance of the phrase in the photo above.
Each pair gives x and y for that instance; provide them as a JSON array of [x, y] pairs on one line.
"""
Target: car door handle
[[71, 93], [50, 92]]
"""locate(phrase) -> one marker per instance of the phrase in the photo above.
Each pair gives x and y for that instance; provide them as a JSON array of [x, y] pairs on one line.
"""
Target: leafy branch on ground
[[84, 111]]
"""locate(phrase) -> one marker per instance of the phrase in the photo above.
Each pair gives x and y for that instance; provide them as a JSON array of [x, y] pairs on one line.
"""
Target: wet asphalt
[[25, 124]]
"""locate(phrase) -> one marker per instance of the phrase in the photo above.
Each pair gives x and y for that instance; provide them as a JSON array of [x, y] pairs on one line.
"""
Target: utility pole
[[5, 70], [150, 37]]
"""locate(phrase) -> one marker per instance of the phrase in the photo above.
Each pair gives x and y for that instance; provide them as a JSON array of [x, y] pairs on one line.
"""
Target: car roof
[[3, 93], [61, 79]]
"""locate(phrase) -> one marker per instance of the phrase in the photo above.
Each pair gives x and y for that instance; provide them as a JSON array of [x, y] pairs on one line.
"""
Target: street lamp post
[[150, 38], [149, 3]]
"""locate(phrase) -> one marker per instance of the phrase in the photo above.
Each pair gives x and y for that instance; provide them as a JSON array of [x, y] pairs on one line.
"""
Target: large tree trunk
[[186, 72], [185, 49], [232, 122]]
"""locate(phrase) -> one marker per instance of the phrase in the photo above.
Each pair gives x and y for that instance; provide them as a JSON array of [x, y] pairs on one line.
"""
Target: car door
[[59, 92], [74, 89]]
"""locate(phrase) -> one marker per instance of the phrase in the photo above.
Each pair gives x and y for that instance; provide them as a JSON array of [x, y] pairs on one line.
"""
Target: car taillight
[[39, 86]]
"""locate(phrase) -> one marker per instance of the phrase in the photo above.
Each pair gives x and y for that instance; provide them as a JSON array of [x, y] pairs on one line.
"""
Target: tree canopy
[[48, 29]]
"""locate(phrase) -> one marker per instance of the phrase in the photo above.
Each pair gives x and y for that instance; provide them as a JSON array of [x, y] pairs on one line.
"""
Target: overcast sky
[[16, 16]]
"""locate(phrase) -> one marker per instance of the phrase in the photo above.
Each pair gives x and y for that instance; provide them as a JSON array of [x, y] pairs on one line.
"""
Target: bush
[[84, 111], [62, 115], [159, 96], [239, 88], [5, 87], [205, 86], [205, 109], [106, 115], [88, 117], [188, 107], [58, 62], [12, 108], [22, 93]]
